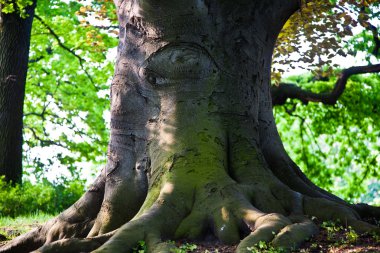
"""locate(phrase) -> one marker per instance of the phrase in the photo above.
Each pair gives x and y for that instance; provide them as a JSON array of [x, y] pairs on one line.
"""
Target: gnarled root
[[226, 208], [245, 202], [71, 245]]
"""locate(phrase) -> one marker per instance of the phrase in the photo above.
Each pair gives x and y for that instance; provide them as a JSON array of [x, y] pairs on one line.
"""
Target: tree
[[15, 27], [194, 148], [57, 38]]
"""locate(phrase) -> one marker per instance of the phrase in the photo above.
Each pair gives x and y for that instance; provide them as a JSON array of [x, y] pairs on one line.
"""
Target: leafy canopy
[[67, 90], [336, 146], [322, 30], [11, 6]]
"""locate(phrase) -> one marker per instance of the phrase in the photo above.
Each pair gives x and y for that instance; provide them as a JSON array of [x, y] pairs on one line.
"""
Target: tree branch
[[44, 143], [376, 39], [61, 44], [367, 25], [284, 91]]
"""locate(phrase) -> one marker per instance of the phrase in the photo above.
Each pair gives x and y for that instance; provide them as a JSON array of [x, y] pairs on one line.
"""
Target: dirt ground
[[319, 244], [332, 238]]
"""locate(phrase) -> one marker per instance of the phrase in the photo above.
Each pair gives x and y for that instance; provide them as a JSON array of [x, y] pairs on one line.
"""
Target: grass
[[12, 227]]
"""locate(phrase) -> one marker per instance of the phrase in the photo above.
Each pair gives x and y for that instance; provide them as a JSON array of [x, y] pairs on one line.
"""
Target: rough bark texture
[[194, 150], [14, 53]]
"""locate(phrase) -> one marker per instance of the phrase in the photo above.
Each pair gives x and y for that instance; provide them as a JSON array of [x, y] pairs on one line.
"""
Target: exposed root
[[75, 244], [53, 230], [151, 225], [24, 243], [253, 206], [367, 211], [228, 213], [265, 228], [76, 221], [292, 236], [225, 208], [328, 210], [124, 194]]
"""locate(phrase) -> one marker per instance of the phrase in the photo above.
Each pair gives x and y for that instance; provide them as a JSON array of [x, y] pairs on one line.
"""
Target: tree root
[[231, 208], [367, 211], [223, 207], [281, 231], [75, 244], [76, 221]]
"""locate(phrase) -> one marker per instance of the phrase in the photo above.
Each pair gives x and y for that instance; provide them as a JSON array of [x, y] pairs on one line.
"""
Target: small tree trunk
[[14, 53]]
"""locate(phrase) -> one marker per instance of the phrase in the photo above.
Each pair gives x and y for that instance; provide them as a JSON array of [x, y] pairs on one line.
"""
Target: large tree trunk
[[14, 53], [194, 149]]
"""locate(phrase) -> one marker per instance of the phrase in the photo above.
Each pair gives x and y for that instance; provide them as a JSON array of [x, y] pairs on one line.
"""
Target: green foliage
[[263, 247], [18, 6], [351, 235], [363, 42], [42, 197], [184, 248], [140, 248], [332, 229], [338, 234], [67, 90], [322, 30], [337, 146], [376, 237]]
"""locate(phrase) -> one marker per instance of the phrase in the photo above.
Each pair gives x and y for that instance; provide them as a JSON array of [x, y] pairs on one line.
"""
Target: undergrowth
[[45, 197]]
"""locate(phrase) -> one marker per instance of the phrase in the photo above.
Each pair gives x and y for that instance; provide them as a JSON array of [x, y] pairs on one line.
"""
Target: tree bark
[[14, 53], [194, 150]]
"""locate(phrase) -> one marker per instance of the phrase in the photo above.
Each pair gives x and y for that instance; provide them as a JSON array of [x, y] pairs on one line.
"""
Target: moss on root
[[216, 185]]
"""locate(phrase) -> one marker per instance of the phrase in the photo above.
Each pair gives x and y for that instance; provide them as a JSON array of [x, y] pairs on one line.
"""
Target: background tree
[[52, 47], [57, 137], [15, 26]]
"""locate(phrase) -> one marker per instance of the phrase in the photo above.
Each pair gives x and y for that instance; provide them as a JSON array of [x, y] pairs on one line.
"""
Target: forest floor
[[322, 243], [332, 238]]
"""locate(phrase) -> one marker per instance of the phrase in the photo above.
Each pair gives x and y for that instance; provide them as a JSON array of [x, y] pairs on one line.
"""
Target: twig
[[61, 44]]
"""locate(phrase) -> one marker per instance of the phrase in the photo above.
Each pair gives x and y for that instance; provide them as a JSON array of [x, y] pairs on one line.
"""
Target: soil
[[331, 239], [319, 244]]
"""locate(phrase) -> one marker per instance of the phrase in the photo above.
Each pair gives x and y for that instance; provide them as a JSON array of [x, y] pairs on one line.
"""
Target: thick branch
[[284, 91]]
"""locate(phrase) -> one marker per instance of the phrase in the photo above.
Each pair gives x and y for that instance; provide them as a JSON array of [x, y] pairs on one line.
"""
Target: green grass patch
[[12, 227]]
